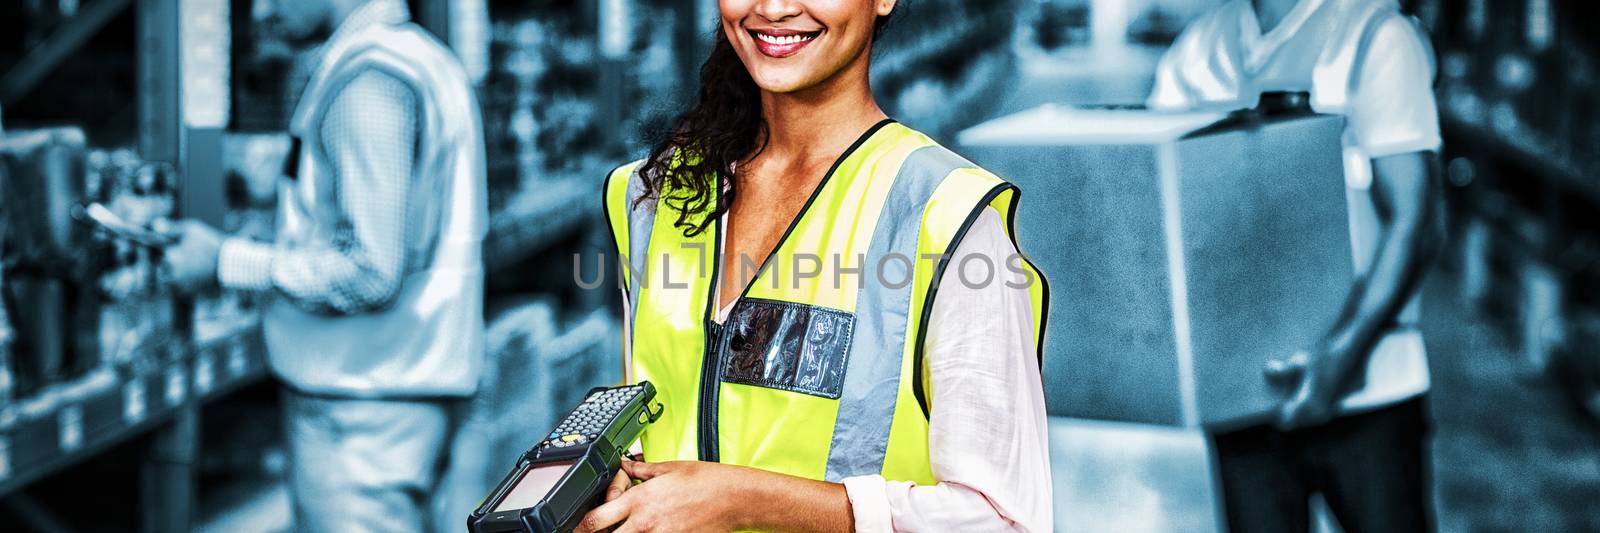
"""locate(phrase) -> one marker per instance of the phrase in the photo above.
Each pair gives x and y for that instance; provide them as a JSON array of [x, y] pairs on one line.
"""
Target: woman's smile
[[782, 42]]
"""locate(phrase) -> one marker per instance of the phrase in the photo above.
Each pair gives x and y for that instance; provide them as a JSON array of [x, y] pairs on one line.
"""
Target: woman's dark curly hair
[[705, 143]]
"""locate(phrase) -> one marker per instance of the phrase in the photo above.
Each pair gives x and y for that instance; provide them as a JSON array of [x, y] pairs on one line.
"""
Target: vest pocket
[[787, 346]]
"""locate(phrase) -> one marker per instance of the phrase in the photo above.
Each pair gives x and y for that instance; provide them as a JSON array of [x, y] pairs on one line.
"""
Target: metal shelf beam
[[44, 58]]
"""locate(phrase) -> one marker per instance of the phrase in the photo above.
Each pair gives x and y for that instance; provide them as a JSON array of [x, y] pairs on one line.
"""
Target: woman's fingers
[[619, 484], [641, 470], [606, 515], [637, 469]]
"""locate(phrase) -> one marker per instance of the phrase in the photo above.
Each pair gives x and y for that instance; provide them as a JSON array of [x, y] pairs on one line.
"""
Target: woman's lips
[[782, 43]]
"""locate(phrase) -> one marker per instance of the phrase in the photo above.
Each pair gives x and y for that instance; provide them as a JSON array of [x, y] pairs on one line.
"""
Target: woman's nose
[[777, 10]]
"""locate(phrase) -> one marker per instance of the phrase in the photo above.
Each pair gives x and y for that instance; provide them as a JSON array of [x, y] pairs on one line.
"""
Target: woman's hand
[[700, 496], [673, 496]]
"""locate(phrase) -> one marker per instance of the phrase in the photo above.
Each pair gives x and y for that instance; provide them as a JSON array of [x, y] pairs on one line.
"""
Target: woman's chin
[[781, 82]]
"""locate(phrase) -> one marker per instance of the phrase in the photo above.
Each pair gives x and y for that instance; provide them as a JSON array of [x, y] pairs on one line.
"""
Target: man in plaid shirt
[[375, 326]]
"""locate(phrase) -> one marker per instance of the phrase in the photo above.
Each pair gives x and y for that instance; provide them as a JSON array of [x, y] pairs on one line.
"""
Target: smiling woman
[[843, 395]]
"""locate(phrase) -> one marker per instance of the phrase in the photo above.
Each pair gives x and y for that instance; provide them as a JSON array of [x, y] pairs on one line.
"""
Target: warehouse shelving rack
[[68, 423], [1517, 82], [47, 433]]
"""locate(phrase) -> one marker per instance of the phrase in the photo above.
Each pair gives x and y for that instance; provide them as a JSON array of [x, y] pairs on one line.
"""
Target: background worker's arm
[[1405, 193], [369, 138]]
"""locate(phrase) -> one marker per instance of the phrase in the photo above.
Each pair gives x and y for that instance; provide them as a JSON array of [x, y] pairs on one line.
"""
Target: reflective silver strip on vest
[[641, 220], [872, 383]]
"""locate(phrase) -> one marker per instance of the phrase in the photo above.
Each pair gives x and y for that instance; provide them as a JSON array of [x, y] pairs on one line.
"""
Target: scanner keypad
[[592, 417]]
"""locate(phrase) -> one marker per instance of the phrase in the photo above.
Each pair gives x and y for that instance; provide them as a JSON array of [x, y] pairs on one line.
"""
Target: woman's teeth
[[784, 39]]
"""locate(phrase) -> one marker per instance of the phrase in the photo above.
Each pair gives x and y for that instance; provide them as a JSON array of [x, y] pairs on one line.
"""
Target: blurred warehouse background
[[125, 408]]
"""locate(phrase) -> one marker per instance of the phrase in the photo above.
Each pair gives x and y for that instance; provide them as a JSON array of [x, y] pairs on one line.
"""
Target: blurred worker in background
[[1354, 428], [377, 324]]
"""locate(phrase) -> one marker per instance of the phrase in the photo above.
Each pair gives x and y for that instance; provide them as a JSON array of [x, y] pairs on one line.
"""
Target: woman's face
[[793, 45]]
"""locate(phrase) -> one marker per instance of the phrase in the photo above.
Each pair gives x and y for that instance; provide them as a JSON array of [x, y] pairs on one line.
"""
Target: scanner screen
[[533, 485]]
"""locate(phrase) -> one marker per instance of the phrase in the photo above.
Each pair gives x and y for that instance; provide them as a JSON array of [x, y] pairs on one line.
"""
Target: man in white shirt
[[1353, 431]]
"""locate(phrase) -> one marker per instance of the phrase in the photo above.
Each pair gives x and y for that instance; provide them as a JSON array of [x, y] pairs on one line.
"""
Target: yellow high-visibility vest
[[817, 371]]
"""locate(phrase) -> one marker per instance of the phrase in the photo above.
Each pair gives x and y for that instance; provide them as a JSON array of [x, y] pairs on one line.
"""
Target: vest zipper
[[710, 369], [709, 382]]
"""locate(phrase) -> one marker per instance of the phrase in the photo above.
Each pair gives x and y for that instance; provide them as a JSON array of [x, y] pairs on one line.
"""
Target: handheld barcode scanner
[[566, 474]]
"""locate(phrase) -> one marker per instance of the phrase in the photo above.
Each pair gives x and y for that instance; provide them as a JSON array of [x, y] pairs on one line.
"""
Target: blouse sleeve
[[987, 434]]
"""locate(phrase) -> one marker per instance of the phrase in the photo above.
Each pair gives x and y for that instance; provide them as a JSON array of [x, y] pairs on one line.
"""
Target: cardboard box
[[1182, 253]]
